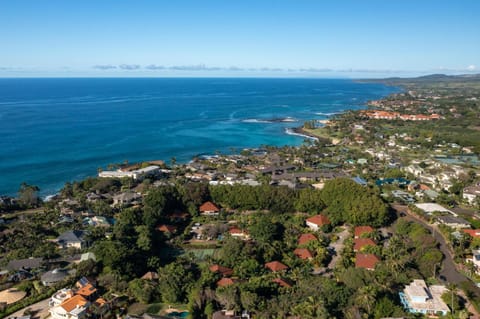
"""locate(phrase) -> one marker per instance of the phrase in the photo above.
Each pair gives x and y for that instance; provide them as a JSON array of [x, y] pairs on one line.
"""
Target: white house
[[476, 260], [419, 298], [72, 308], [471, 193]]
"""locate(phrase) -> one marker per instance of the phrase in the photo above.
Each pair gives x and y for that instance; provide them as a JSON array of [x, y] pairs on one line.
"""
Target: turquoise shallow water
[[58, 130]]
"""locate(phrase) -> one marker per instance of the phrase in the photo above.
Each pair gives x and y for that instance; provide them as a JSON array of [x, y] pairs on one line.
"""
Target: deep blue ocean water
[[58, 130]]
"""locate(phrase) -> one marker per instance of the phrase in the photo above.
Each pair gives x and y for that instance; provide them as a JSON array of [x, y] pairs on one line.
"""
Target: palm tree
[[366, 297]]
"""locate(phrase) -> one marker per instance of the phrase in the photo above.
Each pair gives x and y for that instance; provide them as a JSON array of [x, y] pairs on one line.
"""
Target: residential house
[[454, 222], [276, 266], [225, 282], [430, 208], [209, 209], [476, 260], [317, 221], [361, 243], [72, 308], [127, 198], [54, 276], [283, 282], [303, 253], [25, 264], [360, 231], [72, 238], [367, 261], [239, 233], [417, 297], [166, 229], [472, 232], [471, 193], [224, 271], [306, 238]]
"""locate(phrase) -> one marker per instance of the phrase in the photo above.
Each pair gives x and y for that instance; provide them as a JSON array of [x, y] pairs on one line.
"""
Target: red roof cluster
[[276, 266], [367, 261]]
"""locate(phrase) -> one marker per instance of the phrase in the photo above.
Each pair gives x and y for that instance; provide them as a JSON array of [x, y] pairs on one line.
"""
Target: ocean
[[54, 130]]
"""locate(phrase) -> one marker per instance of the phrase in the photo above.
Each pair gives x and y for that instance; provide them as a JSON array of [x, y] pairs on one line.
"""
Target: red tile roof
[[306, 238], [360, 230], [472, 232], [166, 228], [72, 303], [367, 261], [362, 242], [282, 282], [319, 220], [276, 266], [303, 253], [221, 270], [225, 282], [209, 207], [86, 291]]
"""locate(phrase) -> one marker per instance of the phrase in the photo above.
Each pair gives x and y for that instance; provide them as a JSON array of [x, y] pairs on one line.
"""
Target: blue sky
[[238, 38]]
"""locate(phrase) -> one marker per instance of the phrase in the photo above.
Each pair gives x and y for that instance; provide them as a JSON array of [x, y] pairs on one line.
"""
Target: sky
[[280, 38]]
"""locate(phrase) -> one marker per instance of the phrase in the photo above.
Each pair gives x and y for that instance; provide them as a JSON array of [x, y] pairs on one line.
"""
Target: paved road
[[39, 309], [338, 247], [449, 271]]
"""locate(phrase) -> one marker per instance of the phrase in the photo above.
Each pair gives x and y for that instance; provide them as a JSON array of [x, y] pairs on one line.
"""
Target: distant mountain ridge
[[432, 78]]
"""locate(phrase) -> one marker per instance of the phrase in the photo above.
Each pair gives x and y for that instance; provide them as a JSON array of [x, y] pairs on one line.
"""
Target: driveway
[[337, 246]]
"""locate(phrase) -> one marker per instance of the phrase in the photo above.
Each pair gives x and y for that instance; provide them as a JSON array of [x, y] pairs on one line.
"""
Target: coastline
[[299, 131], [173, 136]]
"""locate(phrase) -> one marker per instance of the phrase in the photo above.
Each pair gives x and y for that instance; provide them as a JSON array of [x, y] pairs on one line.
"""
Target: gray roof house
[[51, 277], [27, 263], [72, 238]]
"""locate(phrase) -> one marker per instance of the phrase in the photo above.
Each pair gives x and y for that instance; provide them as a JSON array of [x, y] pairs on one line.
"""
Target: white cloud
[[471, 67]]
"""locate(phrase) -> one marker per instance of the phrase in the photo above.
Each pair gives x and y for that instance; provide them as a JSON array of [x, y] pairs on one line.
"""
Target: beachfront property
[[138, 174], [417, 297], [385, 115]]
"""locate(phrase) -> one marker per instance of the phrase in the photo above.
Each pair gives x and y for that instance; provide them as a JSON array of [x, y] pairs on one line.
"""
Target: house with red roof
[[360, 243], [362, 230], [225, 282], [303, 253], [209, 209], [367, 261], [317, 221], [306, 238], [276, 266], [167, 229], [283, 282], [224, 271], [472, 232], [239, 233]]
